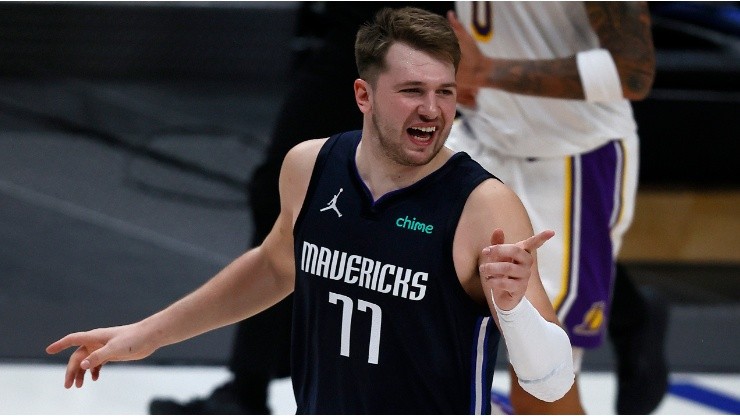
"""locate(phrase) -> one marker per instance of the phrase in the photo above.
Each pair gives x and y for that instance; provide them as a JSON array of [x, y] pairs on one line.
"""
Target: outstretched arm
[[251, 283], [238, 291]]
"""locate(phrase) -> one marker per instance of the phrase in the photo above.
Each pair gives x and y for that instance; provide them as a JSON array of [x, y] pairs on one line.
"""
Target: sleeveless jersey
[[528, 126], [381, 324]]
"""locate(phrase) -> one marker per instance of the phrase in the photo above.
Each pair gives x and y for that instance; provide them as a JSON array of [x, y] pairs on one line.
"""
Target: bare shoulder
[[299, 161], [303, 153], [491, 205], [295, 174], [494, 205]]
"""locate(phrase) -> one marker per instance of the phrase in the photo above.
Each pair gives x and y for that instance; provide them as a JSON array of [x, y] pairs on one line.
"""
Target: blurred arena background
[[129, 130]]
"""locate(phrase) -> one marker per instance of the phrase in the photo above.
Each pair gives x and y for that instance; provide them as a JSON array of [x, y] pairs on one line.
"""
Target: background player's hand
[[505, 268], [98, 347], [471, 63]]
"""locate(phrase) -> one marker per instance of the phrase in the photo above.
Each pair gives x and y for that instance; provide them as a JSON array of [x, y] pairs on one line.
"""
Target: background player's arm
[[623, 29]]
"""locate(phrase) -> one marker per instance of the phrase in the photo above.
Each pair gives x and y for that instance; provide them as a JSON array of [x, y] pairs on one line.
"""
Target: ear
[[363, 95]]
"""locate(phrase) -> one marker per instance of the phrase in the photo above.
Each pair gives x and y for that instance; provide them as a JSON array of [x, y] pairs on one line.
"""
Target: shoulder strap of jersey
[[337, 142]]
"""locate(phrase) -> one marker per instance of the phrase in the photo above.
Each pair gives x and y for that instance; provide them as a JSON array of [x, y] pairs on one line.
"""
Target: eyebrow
[[419, 83]]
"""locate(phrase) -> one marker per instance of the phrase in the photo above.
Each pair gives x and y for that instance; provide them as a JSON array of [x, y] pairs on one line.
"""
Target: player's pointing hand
[[505, 268]]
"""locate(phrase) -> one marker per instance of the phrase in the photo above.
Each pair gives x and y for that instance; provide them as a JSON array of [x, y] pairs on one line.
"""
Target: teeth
[[426, 129]]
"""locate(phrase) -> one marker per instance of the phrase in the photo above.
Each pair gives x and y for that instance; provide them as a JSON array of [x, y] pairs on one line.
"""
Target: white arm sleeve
[[539, 351], [599, 76]]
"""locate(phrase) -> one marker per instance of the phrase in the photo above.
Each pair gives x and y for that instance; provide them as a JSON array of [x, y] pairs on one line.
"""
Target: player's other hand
[[97, 347]]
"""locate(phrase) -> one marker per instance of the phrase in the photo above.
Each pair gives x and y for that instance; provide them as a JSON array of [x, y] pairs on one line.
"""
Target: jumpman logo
[[333, 204]]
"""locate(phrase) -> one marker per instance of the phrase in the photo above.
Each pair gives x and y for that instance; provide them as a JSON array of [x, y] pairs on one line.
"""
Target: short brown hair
[[418, 28]]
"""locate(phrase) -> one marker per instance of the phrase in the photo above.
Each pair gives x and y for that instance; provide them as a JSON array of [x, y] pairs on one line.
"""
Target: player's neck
[[382, 175]]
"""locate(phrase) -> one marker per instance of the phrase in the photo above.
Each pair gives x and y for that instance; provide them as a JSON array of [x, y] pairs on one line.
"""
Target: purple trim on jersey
[[619, 183], [480, 388], [486, 376], [586, 320]]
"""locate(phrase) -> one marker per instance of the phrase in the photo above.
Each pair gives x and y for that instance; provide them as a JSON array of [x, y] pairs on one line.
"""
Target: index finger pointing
[[536, 241], [64, 343], [56, 347]]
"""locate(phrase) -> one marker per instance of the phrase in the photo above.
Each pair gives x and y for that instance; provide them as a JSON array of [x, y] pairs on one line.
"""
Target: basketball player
[[544, 89], [387, 318], [323, 76]]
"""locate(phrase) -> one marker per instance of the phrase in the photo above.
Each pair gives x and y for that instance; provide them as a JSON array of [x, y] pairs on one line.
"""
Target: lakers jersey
[[381, 323]]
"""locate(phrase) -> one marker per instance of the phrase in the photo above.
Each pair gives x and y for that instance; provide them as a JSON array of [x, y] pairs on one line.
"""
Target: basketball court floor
[[127, 389]]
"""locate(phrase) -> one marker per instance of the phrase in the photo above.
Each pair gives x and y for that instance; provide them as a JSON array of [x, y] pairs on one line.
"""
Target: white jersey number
[[362, 306]]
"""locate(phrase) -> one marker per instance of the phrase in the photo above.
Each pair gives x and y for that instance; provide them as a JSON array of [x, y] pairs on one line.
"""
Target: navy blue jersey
[[381, 324]]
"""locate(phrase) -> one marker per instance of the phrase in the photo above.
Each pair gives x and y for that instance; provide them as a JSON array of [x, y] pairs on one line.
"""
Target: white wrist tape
[[599, 76], [539, 351]]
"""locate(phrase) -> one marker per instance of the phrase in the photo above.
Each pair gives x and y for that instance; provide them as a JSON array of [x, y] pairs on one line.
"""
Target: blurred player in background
[[544, 91]]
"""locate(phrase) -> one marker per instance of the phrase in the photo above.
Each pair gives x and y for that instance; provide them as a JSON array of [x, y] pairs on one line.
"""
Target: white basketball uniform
[[574, 164]]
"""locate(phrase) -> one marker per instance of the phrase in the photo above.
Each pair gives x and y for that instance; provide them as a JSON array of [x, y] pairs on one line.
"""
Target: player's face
[[413, 105]]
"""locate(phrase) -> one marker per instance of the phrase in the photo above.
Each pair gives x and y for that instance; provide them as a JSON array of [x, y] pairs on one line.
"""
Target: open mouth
[[421, 134]]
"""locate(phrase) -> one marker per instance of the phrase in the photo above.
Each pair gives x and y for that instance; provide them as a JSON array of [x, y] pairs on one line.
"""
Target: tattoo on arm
[[623, 28], [557, 78]]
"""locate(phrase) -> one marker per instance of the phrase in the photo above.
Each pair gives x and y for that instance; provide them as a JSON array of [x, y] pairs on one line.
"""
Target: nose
[[429, 108]]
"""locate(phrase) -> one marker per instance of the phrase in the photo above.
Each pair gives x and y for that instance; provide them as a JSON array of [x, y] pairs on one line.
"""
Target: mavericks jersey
[[381, 323]]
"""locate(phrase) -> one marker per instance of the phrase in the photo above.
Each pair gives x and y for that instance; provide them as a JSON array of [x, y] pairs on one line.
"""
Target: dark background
[[128, 133]]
